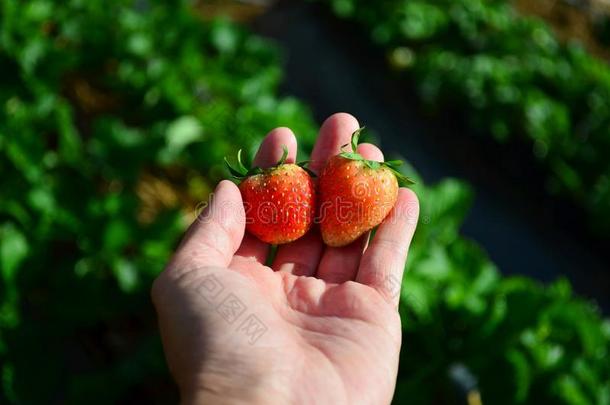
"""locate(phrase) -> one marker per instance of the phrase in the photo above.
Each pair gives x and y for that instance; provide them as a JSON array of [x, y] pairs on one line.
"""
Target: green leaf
[[417, 297], [393, 163], [569, 389], [42, 199], [242, 168], [140, 44], [253, 171], [234, 172], [183, 132], [126, 274], [284, 155], [224, 36], [436, 266], [371, 164], [241, 171], [311, 173], [117, 235], [14, 249], [355, 138], [403, 181], [70, 144], [351, 156], [522, 374]]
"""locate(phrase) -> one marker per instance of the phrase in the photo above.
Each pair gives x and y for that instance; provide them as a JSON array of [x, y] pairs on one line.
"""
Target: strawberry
[[279, 201], [355, 194]]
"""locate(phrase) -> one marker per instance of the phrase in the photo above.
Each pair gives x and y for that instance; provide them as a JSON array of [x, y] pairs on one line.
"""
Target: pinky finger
[[383, 262]]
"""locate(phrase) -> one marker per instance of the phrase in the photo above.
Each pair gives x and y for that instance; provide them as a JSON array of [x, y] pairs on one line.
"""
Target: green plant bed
[[510, 79], [111, 117], [95, 100], [523, 342]]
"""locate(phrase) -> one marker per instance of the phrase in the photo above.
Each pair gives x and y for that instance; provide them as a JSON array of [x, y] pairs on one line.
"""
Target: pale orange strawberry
[[355, 195], [279, 201]]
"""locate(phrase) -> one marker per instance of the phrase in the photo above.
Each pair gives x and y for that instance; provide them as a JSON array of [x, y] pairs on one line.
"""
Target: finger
[[300, 257], [268, 154], [383, 263], [370, 152], [271, 149], [216, 233], [340, 264], [335, 132]]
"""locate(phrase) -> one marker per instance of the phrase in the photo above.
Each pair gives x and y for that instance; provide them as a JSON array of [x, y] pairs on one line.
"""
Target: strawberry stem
[[393, 165], [240, 171], [403, 181], [240, 165], [284, 155], [356, 137]]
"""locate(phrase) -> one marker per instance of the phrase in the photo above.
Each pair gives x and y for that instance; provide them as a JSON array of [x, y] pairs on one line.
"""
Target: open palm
[[319, 326]]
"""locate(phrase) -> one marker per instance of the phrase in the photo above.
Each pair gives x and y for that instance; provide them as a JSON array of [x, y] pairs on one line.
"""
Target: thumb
[[216, 233]]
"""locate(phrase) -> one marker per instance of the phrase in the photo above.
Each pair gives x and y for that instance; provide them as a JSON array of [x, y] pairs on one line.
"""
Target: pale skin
[[331, 329]]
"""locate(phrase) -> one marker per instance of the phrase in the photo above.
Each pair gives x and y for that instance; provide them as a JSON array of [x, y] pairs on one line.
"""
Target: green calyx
[[240, 171], [392, 165]]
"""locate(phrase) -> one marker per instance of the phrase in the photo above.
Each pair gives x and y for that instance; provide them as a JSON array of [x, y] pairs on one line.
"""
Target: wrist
[[199, 397], [225, 390]]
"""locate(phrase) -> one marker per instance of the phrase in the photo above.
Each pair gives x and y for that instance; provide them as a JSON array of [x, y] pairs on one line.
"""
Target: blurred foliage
[[102, 104], [113, 118], [524, 342], [602, 29], [510, 78]]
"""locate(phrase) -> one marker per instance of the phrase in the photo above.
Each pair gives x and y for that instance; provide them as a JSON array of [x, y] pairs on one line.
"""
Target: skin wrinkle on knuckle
[[399, 215], [389, 247], [383, 276], [387, 294], [406, 209], [410, 206]]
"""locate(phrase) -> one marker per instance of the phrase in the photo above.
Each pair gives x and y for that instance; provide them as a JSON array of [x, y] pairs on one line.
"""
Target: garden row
[[509, 78], [521, 341], [102, 109], [104, 116]]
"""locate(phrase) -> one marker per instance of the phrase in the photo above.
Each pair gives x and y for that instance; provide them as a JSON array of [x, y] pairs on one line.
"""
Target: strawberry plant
[[509, 78], [114, 118], [521, 342]]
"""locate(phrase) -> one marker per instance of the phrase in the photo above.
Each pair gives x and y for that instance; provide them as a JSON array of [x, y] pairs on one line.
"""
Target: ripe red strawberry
[[279, 201], [355, 195]]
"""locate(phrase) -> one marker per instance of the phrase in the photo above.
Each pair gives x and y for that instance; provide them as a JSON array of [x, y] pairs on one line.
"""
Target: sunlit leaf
[[13, 250]]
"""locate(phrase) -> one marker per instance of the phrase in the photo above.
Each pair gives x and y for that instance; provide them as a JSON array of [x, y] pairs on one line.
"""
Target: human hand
[[319, 326]]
